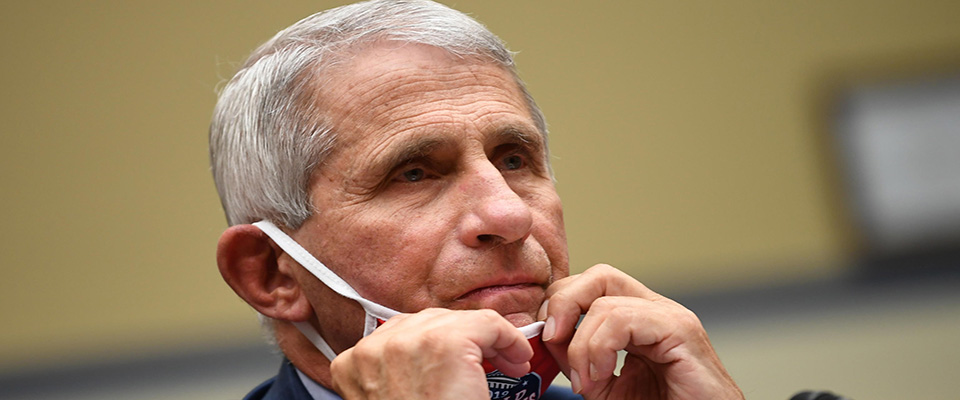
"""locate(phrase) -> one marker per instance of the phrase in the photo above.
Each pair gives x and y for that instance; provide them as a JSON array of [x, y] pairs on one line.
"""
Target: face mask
[[543, 367]]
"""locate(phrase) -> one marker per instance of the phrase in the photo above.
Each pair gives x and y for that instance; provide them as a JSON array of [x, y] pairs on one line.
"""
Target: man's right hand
[[435, 353]]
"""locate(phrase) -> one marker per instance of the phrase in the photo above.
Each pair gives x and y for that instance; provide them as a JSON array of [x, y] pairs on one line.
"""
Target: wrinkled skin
[[437, 202]]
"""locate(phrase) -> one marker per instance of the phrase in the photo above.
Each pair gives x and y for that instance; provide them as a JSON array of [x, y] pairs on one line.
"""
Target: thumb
[[502, 344]]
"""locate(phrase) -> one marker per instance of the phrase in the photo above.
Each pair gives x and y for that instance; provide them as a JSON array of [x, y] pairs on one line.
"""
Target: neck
[[303, 354]]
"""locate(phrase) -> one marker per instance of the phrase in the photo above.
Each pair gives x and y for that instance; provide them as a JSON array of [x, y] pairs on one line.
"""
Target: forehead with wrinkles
[[382, 87]]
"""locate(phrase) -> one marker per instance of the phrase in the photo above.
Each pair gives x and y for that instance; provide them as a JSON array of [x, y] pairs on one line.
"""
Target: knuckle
[[641, 286], [688, 320], [370, 386], [598, 344], [600, 269], [339, 365], [559, 297], [622, 313], [565, 302], [590, 272], [604, 304], [363, 353], [603, 267], [397, 345], [433, 311], [488, 315], [433, 338]]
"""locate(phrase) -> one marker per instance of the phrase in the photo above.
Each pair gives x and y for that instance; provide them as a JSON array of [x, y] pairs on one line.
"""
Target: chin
[[520, 319]]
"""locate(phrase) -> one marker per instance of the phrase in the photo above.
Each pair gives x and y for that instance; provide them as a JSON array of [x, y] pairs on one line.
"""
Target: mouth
[[518, 302], [497, 290]]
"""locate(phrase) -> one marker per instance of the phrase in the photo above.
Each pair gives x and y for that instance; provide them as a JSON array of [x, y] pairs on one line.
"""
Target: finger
[[562, 312], [661, 332], [601, 346], [569, 298], [604, 279], [344, 382], [492, 334], [592, 352], [500, 342], [423, 316], [509, 367], [560, 284], [393, 321], [442, 346], [488, 330]]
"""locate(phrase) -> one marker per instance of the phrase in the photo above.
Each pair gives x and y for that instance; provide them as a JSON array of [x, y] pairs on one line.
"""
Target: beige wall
[[688, 142]]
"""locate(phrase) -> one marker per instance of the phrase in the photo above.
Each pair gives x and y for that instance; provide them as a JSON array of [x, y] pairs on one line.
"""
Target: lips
[[502, 284], [494, 290], [506, 295], [517, 302]]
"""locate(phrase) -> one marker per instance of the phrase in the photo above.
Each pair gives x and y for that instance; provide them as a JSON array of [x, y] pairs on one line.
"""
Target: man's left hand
[[668, 353]]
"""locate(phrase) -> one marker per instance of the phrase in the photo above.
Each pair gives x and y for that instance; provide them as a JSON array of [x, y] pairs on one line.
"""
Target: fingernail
[[575, 381], [549, 329], [542, 314], [594, 375]]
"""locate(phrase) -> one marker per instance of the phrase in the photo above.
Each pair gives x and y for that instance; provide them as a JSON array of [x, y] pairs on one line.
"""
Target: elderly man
[[394, 220]]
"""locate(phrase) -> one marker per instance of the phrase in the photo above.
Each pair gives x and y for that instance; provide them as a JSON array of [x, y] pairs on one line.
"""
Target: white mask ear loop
[[334, 282], [532, 330], [314, 337]]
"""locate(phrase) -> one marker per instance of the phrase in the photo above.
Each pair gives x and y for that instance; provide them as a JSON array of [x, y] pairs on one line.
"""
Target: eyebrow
[[425, 145], [519, 135], [409, 151], [515, 134]]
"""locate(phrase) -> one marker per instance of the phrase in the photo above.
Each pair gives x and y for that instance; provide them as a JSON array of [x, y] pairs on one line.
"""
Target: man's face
[[437, 193]]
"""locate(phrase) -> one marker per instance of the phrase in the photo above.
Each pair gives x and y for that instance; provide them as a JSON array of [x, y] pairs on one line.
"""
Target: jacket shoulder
[[260, 392], [285, 386], [560, 393]]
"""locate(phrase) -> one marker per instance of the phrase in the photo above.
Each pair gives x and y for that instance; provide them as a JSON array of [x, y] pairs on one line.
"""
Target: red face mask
[[543, 368]]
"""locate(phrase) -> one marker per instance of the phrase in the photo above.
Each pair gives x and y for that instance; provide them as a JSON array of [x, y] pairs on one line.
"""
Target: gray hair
[[268, 133]]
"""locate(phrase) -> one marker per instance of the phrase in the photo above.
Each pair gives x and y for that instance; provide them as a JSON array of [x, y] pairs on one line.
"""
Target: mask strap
[[311, 334], [373, 310], [532, 330], [321, 271]]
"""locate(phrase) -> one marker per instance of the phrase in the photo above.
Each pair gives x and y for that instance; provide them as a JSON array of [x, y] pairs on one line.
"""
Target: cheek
[[359, 251], [396, 253], [550, 232], [547, 206]]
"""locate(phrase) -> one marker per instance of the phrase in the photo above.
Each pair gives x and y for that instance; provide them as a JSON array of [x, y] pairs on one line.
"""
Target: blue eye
[[413, 175], [513, 162]]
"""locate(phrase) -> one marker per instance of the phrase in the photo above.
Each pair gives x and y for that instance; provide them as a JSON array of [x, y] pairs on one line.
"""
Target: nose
[[495, 213]]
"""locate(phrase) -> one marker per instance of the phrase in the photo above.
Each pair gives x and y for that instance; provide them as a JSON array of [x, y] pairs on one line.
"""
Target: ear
[[251, 263]]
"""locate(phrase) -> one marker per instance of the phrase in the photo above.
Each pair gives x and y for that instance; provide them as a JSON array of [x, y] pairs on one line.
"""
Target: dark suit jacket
[[287, 386]]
